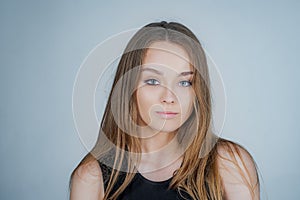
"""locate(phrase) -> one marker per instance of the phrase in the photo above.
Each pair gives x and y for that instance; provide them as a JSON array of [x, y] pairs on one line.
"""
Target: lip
[[167, 114]]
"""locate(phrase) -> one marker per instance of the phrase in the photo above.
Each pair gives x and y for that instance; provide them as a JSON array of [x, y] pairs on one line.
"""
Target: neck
[[157, 142], [159, 151]]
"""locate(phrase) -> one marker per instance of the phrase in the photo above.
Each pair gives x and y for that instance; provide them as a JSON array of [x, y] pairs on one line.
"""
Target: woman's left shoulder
[[229, 150], [238, 171]]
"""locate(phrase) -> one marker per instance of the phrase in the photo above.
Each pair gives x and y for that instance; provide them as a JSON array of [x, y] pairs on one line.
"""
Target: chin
[[167, 128]]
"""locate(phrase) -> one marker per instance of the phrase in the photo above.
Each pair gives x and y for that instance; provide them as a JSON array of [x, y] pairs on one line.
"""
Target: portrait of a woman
[[155, 140]]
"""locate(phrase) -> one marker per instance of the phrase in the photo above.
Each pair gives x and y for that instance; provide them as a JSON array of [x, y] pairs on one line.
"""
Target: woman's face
[[164, 94]]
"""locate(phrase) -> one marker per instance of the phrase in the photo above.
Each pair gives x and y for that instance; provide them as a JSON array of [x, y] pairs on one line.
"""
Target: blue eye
[[185, 83], [152, 82]]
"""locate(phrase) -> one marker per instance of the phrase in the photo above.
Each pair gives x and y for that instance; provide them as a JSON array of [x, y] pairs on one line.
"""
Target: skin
[[164, 87], [87, 182]]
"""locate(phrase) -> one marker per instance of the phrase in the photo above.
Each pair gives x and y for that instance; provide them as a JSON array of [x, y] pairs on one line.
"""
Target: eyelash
[[150, 82], [189, 83]]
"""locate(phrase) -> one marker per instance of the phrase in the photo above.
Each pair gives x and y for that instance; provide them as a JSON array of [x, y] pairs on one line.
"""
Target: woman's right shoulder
[[87, 181], [89, 171]]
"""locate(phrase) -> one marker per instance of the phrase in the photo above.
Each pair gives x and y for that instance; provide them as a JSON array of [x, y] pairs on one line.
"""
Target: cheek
[[143, 97], [145, 100], [186, 101]]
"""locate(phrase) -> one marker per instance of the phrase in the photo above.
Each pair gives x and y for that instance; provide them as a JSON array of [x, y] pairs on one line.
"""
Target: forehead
[[168, 56]]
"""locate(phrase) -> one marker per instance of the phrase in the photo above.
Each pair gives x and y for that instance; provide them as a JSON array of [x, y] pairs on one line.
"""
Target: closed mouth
[[167, 114]]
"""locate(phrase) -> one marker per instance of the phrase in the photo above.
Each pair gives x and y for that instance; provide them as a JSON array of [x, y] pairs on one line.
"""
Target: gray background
[[255, 44]]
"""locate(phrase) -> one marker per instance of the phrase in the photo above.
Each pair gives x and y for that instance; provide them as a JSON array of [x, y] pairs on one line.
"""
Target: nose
[[168, 96]]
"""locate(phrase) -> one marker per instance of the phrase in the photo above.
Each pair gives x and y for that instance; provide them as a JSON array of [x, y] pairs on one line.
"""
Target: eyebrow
[[160, 73]]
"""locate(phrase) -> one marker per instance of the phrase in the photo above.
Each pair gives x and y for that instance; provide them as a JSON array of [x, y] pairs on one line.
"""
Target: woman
[[156, 140]]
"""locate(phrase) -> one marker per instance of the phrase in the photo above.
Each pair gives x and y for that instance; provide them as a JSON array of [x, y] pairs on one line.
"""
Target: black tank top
[[141, 188]]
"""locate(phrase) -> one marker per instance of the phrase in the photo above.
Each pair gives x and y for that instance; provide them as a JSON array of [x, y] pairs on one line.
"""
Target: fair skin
[[165, 101], [234, 184], [87, 182]]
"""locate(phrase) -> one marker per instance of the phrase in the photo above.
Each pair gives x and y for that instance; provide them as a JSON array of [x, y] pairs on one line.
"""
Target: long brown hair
[[198, 175]]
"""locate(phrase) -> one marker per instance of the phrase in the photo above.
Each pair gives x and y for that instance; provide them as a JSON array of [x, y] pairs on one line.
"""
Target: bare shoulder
[[88, 171], [238, 171], [87, 181]]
